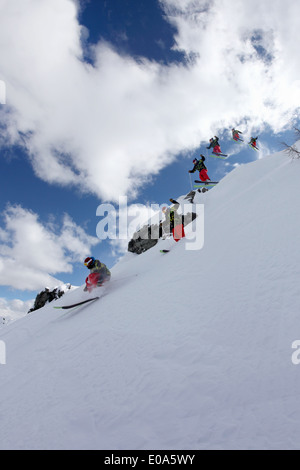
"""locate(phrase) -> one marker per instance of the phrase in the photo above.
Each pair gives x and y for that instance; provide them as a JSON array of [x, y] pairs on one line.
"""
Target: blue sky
[[113, 98]]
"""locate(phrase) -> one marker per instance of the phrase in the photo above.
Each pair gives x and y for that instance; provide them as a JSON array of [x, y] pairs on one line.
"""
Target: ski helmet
[[195, 160], [89, 261]]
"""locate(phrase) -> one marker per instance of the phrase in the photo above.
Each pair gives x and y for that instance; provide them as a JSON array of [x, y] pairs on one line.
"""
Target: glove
[[190, 171]]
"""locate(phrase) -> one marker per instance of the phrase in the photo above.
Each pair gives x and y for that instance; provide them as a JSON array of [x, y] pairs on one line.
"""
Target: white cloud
[[32, 253], [123, 120], [11, 310]]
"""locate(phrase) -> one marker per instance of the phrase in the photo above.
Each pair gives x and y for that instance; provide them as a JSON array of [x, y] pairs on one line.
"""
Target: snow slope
[[188, 350]]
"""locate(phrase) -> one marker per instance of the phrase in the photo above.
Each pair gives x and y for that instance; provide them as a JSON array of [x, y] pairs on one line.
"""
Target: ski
[[252, 146], [78, 303], [238, 140], [219, 155], [206, 182], [205, 187], [164, 251]]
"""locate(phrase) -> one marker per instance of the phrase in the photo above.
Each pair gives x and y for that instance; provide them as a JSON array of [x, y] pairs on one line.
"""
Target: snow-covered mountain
[[186, 350]]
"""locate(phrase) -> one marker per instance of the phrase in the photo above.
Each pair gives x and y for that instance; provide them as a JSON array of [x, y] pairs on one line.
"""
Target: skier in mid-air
[[253, 142], [99, 273], [214, 144], [236, 134], [200, 166]]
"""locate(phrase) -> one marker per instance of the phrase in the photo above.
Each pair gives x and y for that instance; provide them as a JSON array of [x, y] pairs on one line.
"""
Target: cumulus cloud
[[31, 253], [11, 310], [124, 118]]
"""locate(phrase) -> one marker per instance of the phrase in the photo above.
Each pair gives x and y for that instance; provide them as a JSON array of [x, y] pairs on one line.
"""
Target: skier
[[213, 142], [174, 221], [253, 142], [99, 273], [236, 134], [199, 165]]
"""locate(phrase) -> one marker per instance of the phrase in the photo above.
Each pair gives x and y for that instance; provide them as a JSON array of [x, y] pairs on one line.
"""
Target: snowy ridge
[[189, 350]]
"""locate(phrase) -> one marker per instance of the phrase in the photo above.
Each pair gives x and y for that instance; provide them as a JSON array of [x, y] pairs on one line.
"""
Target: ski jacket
[[236, 133], [198, 166], [172, 217], [213, 142], [100, 268], [175, 218], [253, 141]]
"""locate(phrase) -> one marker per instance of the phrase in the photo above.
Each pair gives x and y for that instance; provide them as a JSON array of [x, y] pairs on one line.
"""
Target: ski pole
[[191, 181]]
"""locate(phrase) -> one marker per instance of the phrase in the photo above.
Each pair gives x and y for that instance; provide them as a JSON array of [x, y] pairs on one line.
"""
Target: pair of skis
[[223, 156], [253, 147], [205, 186]]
